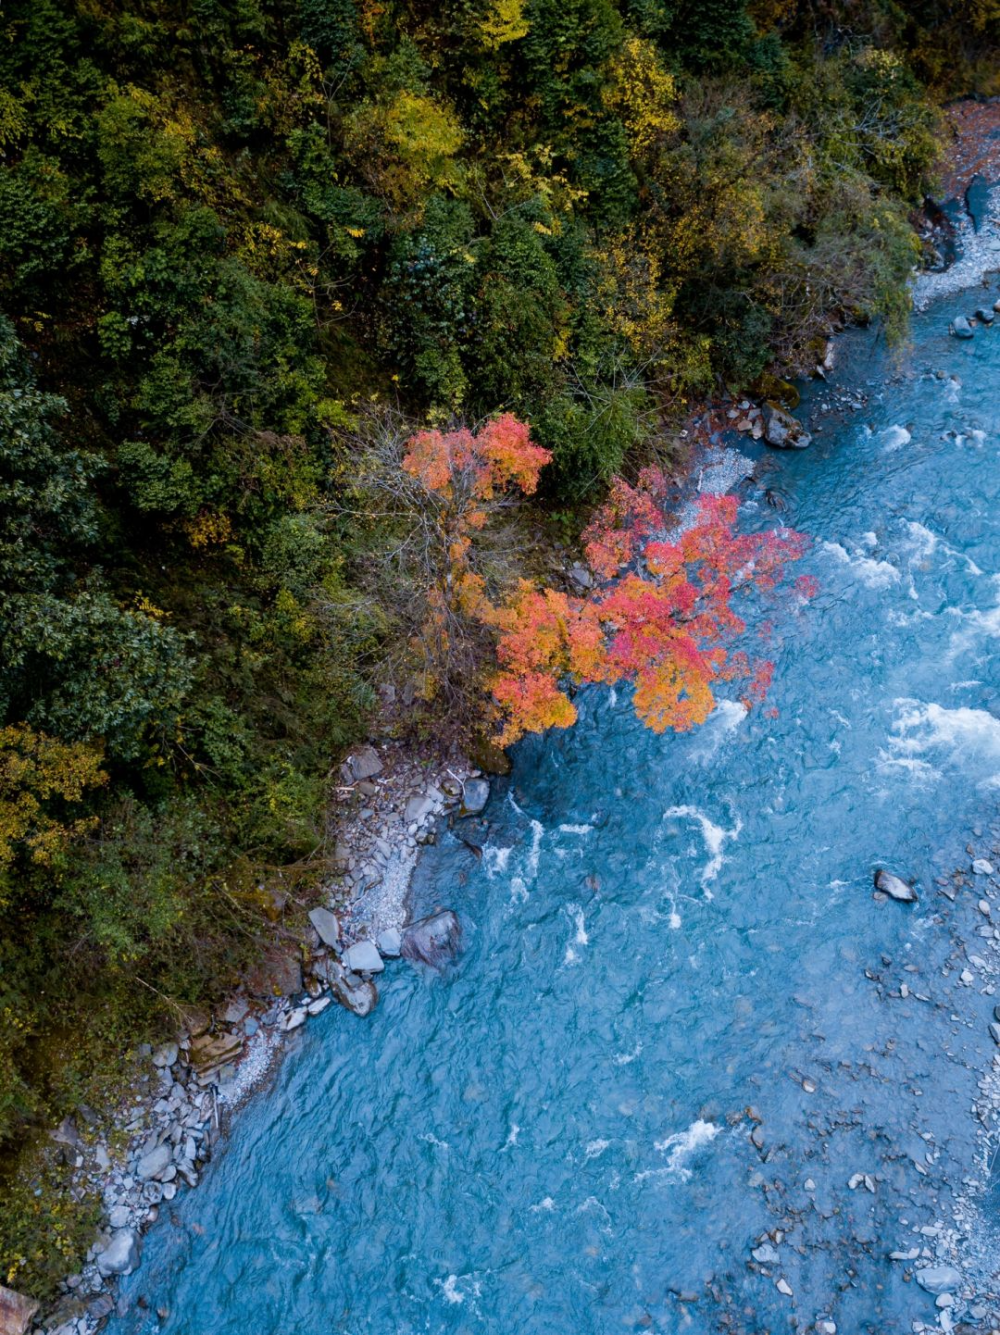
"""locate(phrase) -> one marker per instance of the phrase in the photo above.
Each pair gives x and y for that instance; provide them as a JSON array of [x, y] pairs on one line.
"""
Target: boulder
[[326, 925], [165, 1055], [356, 994], [363, 764], [475, 795], [960, 328], [211, 1051], [66, 1133], [784, 431], [154, 1163], [895, 888], [279, 974], [16, 1312], [939, 1278], [433, 940], [417, 809], [984, 314], [363, 957], [121, 1256], [390, 943]]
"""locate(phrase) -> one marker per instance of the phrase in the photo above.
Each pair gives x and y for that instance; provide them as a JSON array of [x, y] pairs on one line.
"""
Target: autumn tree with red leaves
[[661, 617]]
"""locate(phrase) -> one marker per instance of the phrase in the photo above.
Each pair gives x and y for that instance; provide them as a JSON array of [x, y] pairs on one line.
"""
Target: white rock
[[363, 957], [121, 1255], [982, 868], [783, 1286], [319, 1005], [153, 1164]]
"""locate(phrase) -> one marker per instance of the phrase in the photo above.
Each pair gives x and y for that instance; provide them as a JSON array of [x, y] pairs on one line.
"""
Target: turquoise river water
[[551, 1137]]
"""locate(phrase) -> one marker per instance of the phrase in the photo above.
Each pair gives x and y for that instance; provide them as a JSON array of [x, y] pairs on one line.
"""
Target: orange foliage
[[666, 627]]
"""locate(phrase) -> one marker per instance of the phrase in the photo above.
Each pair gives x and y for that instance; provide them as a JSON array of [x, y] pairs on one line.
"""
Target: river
[[552, 1137]]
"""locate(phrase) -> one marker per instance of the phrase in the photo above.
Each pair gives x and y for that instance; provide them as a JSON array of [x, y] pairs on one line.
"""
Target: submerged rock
[[984, 314], [784, 431], [960, 327], [895, 888], [433, 940], [16, 1312]]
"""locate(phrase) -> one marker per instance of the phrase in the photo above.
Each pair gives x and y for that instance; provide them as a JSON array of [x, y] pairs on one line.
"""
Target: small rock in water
[[765, 1254], [995, 1032], [784, 431], [894, 887], [475, 795], [985, 314], [960, 327], [939, 1278], [982, 868], [784, 1287]]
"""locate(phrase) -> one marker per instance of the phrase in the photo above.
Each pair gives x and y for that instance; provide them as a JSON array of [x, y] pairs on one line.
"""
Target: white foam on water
[[679, 1148], [724, 719], [869, 571], [714, 835], [627, 1058], [512, 1136], [535, 850], [495, 860], [544, 1206], [575, 829], [595, 1148], [432, 1139], [518, 891], [449, 1288], [966, 735], [895, 437]]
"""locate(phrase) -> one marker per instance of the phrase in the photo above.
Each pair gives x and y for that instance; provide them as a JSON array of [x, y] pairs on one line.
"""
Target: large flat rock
[[16, 1312]]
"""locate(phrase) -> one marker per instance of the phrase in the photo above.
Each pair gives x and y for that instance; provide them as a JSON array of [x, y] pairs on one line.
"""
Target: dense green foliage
[[225, 224]]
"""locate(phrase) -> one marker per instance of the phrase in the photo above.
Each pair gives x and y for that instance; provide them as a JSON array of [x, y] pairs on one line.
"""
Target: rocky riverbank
[[389, 803]]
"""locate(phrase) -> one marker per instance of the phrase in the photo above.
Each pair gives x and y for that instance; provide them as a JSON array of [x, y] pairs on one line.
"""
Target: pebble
[[783, 1286], [982, 867]]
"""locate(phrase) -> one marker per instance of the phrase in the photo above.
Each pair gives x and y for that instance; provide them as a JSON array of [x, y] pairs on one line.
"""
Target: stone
[[938, 1278], [985, 314], [433, 940], [475, 795], [581, 577], [390, 943], [16, 1312], [982, 867], [327, 926], [363, 764], [417, 809], [154, 1163], [784, 431], [318, 1006], [214, 1050], [783, 1286], [765, 1254], [356, 994], [294, 1019], [960, 328], [165, 1055], [102, 1158], [236, 1011], [66, 1133], [278, 974], [119, 1216], [363, 957], [121, 1256], [995, 1032], [895, 888]]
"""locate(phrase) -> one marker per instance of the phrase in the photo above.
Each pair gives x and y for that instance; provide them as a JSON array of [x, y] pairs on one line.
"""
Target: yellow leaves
[[148, 609], [633, 297], [208, 530], [643, 94], [13, 118], [406, 146], [35, 771], [504, 22]]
